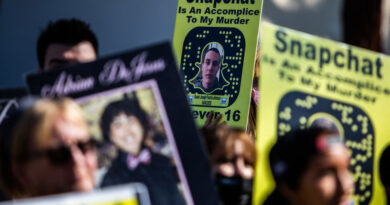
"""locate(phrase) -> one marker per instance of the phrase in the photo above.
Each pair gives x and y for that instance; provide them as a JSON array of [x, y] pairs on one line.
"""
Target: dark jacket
[[159, 176]]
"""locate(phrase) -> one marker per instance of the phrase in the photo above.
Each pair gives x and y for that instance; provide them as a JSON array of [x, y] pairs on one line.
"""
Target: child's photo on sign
[[137, 141]]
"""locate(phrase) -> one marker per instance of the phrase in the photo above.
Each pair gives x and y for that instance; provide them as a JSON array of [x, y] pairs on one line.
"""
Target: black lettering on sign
[[342, 59]]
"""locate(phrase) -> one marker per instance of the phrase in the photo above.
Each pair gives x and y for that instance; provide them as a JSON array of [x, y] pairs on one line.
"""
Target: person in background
[[10, 114], [66, 42], [384, 171], [232, 155], [310, 166], [365, 23], [51, 150], [255, 97]]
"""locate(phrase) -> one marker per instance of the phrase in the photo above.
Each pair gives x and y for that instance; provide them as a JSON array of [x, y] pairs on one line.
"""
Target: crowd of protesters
[[46, 147]]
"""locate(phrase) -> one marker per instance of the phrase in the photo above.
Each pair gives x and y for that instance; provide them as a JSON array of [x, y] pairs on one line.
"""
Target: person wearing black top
[[125, 124]]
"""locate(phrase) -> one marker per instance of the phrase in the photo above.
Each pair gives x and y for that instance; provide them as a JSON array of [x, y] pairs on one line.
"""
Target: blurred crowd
[[47, 148]]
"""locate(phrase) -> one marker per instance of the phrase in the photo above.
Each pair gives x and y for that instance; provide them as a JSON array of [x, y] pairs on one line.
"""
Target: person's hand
[[211, 123], [235, 168], [244, 170], [209, 130]]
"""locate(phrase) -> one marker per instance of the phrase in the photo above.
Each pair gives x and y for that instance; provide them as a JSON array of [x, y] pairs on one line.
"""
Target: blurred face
[[59, 55], [327, 180], [65, 163], [210, 67], [237, 165], [127, 133]]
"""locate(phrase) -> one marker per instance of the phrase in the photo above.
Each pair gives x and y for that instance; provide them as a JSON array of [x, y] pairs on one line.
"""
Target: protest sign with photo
[[215, 44], [136, 107], [9, 99], [306, 80]]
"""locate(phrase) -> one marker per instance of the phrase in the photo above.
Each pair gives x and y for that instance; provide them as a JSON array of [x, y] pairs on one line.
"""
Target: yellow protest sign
[[128, 194], [125, 202], [305, 78], [215, 44]]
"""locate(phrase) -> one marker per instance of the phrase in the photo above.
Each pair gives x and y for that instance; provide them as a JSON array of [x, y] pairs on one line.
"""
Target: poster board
[[146, 80], [129, 194], [304, 78], [231, 29], [9, 99]]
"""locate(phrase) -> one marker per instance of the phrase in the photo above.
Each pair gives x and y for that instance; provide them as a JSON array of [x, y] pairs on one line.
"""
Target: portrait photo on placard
[[212, 65], [136, 141], [209, 77]]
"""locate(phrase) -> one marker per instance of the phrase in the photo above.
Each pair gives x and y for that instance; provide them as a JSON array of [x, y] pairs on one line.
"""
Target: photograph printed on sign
[[211, 65], [137, 141], [210, 78]]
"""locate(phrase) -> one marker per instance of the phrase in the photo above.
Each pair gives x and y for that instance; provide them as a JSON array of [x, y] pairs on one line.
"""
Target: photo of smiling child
[[132, 125]]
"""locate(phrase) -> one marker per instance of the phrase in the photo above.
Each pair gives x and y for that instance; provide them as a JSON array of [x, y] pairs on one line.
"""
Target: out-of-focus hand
[[211, 123], [244, 170], [235, 168]]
